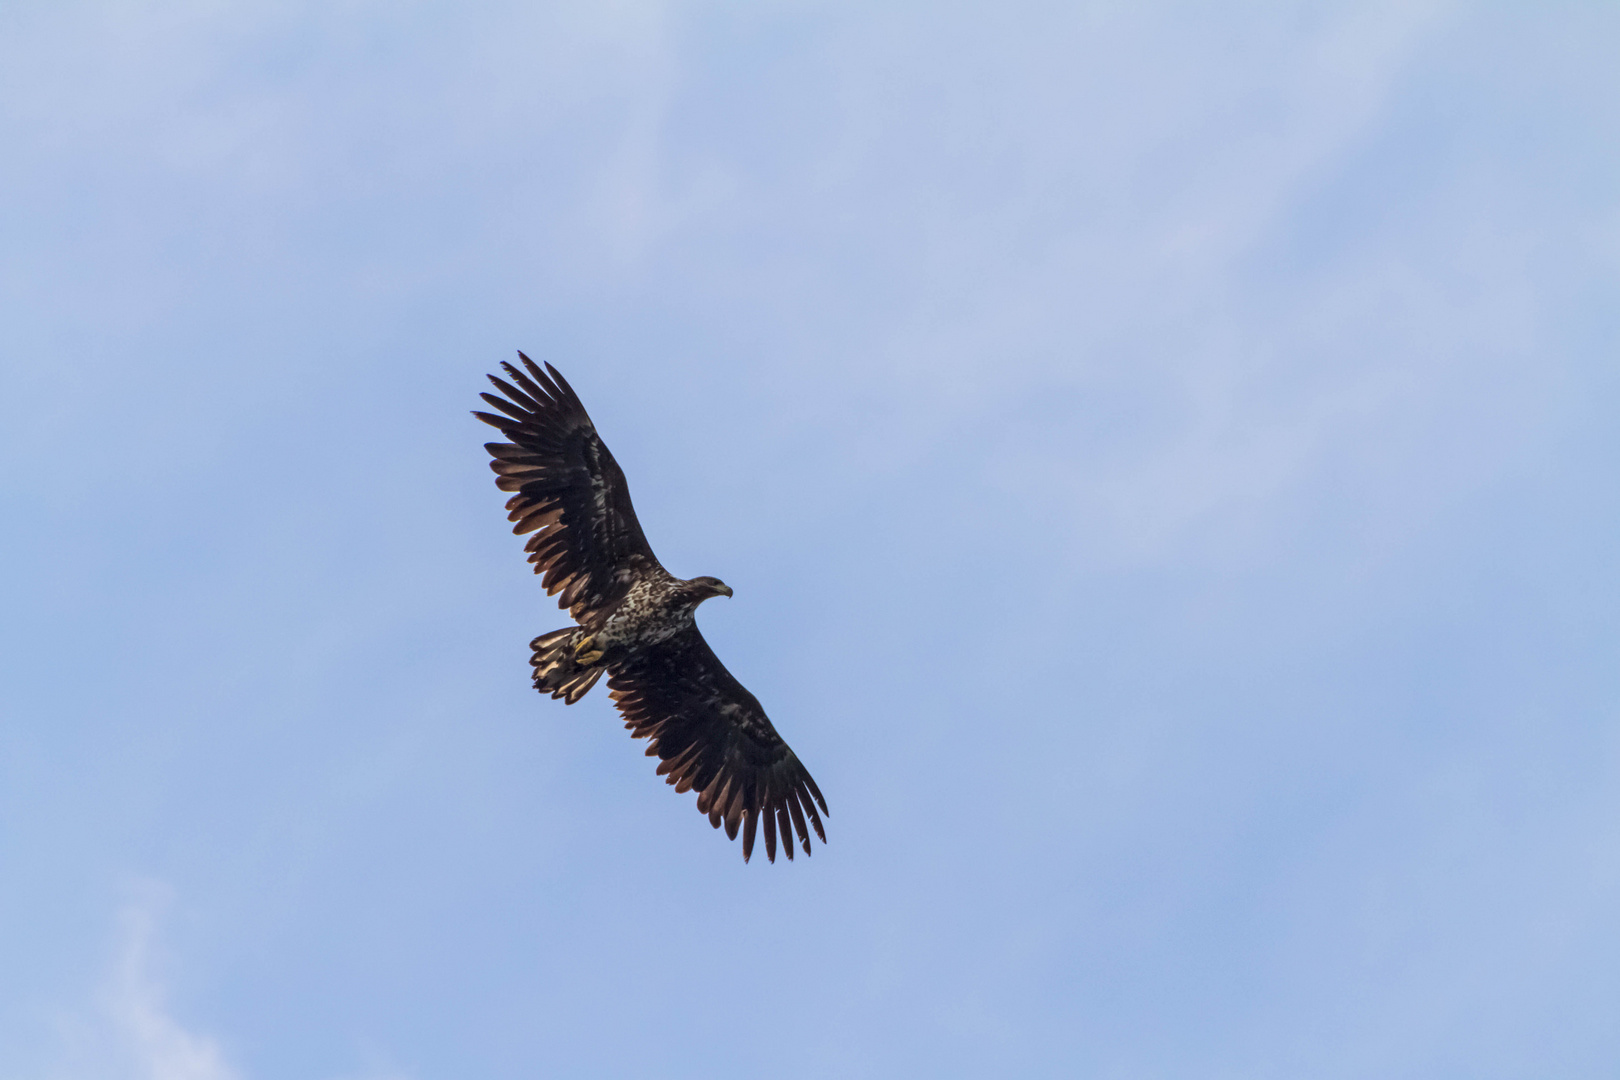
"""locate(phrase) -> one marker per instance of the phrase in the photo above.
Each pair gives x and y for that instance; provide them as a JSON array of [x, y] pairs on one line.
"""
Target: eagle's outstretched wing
[[588, 545], [712, 737]]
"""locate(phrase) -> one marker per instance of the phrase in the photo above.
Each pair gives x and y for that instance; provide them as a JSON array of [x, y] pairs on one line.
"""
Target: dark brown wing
[[714, 738], [588, 545]]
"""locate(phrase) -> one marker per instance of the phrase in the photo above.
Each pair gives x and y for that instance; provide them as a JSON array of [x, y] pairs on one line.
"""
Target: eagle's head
[[702, 588]]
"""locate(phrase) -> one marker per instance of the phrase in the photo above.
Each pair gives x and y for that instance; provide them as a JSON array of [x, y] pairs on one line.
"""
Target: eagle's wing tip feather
[[504, 423]]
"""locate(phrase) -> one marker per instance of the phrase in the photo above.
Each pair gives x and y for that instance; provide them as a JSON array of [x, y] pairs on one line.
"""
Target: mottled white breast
[[648, 614]]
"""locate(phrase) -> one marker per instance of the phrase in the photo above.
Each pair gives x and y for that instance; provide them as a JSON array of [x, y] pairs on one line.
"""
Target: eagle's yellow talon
[[586, 651]]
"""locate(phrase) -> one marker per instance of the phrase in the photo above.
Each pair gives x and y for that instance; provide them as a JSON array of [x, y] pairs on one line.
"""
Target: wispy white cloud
[[154, 1043], [126, 1027], [134, 1032], [162, 1046]]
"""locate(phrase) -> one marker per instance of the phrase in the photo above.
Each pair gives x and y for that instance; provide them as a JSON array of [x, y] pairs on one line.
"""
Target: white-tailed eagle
[[635, 620]]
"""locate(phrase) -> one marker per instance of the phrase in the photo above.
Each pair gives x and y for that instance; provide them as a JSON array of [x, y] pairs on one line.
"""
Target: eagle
[[635, 621]]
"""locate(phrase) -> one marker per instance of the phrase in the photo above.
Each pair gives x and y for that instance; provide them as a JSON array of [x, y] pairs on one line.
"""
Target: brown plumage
[[635, 620]]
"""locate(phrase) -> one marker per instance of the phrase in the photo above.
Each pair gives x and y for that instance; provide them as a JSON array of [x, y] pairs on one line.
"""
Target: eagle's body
[[657, 606], [636, 621]]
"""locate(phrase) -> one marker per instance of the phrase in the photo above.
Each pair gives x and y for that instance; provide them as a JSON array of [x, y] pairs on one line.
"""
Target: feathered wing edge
[[712, 737], [568, 489], [781, 795]]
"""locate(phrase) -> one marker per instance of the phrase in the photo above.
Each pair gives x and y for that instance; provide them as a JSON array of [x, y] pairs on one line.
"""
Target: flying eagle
[[636, 619]]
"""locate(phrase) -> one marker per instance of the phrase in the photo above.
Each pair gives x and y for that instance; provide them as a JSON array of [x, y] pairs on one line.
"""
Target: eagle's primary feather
[[635, 619]]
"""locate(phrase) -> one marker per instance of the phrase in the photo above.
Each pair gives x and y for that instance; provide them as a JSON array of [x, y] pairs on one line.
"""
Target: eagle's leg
[[587, 651], [556, 669]]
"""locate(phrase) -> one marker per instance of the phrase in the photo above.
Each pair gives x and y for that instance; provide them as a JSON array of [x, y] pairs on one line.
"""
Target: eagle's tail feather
[[556, 669]]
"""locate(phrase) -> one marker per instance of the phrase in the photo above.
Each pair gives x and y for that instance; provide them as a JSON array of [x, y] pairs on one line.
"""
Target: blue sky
[[1165, 456]]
